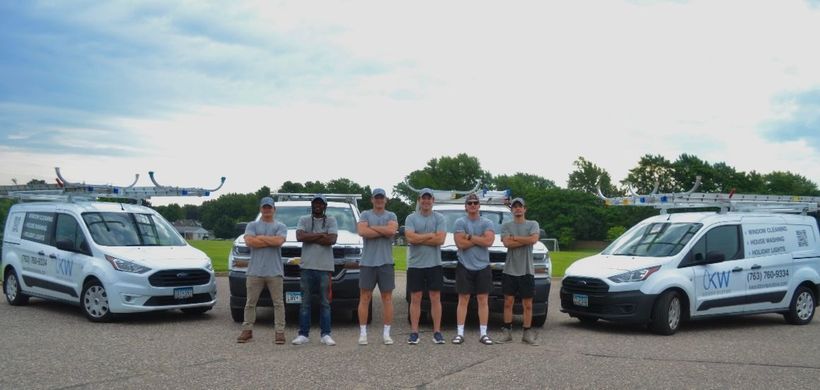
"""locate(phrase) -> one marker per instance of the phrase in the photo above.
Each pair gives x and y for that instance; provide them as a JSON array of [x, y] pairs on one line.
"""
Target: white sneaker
[[362, 339], [327, 340], [299, 340], [388, 340]]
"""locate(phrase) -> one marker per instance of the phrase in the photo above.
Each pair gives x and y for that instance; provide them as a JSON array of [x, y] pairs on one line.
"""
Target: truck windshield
[[653, 240], [497, 217], [131, 229], [290, 216]]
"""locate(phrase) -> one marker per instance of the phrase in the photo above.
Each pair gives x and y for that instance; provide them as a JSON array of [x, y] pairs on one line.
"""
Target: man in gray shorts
[[265, 238], [473, 235], [519, 236], [377, 227], [425, 231]]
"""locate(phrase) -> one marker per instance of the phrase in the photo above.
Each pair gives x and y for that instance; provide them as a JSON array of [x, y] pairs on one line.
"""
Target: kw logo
[[716, 280], [64, 267]]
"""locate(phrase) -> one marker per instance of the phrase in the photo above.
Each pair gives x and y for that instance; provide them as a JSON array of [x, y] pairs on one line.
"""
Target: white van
[[107, 258], [675, 267]]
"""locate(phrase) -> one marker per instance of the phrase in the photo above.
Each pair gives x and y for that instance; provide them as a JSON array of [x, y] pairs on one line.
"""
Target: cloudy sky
[[268, 91]]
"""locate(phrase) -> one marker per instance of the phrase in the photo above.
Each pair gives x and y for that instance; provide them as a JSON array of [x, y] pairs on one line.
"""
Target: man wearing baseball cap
[[377, 227], [425, 231], [519, 236], [265, 238], [317, 232], [474, 234]]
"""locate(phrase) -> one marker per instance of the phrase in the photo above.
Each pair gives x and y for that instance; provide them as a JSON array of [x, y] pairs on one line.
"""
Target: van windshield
[[131, 229], [497, 217], [653, 240], [290, 216]]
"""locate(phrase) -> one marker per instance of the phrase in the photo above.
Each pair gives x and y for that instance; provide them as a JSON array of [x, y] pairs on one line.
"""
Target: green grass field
[[218, 251]]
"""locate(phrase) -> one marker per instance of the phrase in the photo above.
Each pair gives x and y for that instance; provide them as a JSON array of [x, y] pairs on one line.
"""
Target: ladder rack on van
[[725, 201], [348, 198], [485, 195], [64, 190]]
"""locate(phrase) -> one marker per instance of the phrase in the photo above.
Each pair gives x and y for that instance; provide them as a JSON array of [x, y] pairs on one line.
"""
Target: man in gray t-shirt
[[265, 238], [377, 227], [317, 232], [519, 236], [474, 234], [425, 231]]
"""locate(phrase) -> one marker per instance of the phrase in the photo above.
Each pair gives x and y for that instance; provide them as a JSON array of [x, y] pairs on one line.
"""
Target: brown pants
[[254, 285]]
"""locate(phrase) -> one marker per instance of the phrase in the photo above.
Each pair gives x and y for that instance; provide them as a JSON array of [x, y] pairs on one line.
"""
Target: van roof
[[709, 218], [81, 207]]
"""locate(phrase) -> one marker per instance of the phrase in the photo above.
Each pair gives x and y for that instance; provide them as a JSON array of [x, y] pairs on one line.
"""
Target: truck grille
[[179, 277]]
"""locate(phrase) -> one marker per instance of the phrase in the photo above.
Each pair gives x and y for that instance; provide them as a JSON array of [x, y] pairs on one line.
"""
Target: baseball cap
[[267, 201], [426, 191], [379, 191], [470, 197], [518, 200], [320, 197]]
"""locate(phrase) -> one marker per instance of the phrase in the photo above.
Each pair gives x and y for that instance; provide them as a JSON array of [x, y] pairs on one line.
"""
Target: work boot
[[506, 335], [245, 336], [279, 338], [529, 337]]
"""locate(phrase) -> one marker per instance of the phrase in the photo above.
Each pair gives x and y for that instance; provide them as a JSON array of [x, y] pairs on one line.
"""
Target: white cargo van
[[106, 257], [750, 257]]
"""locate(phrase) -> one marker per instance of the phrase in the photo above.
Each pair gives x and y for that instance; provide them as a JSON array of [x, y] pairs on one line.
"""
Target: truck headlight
[[634, 276], [126, 266], [241, 251]]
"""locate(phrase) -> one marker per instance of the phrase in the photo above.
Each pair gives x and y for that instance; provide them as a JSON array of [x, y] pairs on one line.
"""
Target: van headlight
[[126, 266], [634, 276]]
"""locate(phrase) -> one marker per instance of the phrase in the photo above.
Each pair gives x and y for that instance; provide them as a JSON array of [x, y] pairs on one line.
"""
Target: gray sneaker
[[506, 335], [530, 337]]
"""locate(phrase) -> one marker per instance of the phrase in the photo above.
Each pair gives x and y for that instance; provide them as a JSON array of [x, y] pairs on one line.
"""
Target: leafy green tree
[[586, 177], [522, 183], [651, 169], [787, 183], [687, 168], [172, 212], [191, 212], [461, 172]]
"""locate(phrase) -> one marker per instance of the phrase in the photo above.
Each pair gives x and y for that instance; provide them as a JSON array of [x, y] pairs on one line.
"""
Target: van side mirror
[[66, 245], [240, 227]]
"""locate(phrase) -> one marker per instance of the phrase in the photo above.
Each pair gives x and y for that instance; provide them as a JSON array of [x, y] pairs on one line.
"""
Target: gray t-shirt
[[377, 251], [477, 257], [424, 256], [519, 260], [266, 261], [315, 256]]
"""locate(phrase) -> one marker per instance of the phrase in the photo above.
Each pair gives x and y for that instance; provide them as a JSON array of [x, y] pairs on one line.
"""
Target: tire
[[801, 310], [355, 316], [94, 302], [238, 314], [539, 320], [667, 314], [587, 320], [11, 288], [195, 311]]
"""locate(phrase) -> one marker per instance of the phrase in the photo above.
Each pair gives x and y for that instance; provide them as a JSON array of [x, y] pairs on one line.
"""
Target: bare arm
[[462, 242], [364, 230], [254, 241], [485, 239], [303, 236], [272, 241], [327, 239], [388, 230]]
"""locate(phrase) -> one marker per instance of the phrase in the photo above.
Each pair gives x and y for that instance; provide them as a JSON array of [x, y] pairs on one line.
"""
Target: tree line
[[569, 214]]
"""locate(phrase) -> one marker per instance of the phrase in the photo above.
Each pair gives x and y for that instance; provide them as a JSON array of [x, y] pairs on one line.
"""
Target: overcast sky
[[264, 92]]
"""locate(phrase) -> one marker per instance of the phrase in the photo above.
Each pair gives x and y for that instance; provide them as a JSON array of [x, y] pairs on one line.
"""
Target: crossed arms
[[264, 241], [519, 241], [316, 238], [484, 240], [365, 230]]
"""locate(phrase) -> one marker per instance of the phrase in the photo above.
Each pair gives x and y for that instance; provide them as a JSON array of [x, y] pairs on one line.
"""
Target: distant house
[[191, 230]]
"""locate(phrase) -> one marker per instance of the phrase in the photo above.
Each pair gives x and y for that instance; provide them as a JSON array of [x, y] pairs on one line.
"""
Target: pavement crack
[[744, 364], [452, 372]]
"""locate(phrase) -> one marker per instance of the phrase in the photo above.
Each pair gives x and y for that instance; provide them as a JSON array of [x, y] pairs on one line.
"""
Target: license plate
[[580, 300], [183, 293], [293, 297]]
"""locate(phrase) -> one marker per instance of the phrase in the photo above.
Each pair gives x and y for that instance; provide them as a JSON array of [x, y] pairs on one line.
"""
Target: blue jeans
[[311, 281]]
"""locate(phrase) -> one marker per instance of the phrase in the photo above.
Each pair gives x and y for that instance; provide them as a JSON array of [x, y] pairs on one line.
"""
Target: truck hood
[[603, 266], [161, 257]]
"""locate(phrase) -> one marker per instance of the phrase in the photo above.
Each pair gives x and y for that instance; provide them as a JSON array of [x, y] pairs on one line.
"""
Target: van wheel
[[195, 311], [667, 314], [95, 302], [539, 320], [801, 310], [11, 287], [238, 314]]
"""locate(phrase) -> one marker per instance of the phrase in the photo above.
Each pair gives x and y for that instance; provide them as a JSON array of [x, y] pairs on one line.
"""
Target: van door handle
[[53, 256], [41, 253], [757, 266], [737, 269]]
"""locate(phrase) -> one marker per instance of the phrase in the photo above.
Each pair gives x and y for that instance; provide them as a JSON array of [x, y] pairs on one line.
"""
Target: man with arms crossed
[[377, 227], [425, 232], [519, 236], [265, 238], [317, 232], [473, 235]]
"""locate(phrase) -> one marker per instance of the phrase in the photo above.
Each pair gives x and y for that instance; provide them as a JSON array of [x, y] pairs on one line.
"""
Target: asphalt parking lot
[[51, 345]]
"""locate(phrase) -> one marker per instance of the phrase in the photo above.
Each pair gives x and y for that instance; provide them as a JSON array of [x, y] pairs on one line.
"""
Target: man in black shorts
[[519, 236], [473, 235], [425, 231]]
